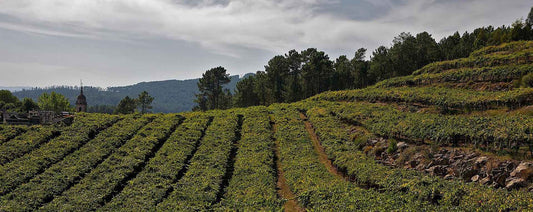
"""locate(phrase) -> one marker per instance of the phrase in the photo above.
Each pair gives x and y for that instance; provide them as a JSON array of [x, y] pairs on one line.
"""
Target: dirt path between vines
[[283, 189], [322, 156]]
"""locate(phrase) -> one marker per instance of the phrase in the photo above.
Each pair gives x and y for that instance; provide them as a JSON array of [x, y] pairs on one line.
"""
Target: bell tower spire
[[81, 102]]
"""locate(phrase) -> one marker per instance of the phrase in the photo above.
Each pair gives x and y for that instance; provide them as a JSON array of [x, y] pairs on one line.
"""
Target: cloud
[[230, 27]]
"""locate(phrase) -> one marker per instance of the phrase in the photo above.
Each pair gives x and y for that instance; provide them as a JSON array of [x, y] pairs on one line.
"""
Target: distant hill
[[170, 95], [14, 88]]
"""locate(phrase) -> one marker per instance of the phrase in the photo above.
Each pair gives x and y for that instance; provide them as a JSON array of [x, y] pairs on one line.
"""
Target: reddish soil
[[322, 156], [284, 190]]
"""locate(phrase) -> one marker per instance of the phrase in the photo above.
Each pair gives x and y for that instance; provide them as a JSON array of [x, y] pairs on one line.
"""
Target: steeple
[[81, 102]]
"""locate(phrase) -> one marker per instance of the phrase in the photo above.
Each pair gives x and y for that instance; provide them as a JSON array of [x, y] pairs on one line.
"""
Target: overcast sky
[[121, 42]]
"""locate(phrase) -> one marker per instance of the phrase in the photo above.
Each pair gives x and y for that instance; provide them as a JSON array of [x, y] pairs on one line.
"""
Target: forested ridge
[[169, 96]]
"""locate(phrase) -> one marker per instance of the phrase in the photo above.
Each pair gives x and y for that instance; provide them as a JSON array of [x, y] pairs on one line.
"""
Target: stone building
[[81, 102]]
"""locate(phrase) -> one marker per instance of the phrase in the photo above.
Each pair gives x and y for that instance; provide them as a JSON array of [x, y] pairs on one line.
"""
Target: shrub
[[527, 80], [392, 146]]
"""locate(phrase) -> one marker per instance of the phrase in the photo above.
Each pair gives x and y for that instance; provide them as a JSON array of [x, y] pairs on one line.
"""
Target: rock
[[465, 169], [500, 178], [485, 181], [524, 171], [508, 166], [481, 161], [437, 170], [441, 161], [372, 142], [437, 155], [412, 164], [402, 145], [515, 183], [475, 178], [470, 156]]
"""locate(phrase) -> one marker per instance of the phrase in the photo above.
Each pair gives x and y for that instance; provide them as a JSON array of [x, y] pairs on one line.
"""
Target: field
[[307, 155]]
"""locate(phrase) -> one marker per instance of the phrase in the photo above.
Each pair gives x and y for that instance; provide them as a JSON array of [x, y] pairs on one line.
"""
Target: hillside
[[454, 135], [171, 96]]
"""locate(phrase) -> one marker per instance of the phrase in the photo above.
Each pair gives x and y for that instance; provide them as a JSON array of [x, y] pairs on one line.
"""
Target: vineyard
[[320, 154]]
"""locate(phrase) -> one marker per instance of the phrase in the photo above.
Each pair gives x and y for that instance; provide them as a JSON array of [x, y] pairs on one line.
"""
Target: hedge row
[[253, 185], [70, 170], [524, 56], [101, 183], [155, 181], [315, 187], [26, 142], [344, 148], [444, 98], [462, 75], [22, 169], [9, 132], [198, 188], [497, 131]]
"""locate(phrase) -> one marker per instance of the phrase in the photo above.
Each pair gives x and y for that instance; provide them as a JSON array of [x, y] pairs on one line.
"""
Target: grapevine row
[[253, 185], [524, 56], [70, 170], [463, 75], [316, 188], [155, 181], [498, 131], [444, 98], [198, 188], [9, 132], [73, 137], [26, 142], [101, 183], [345, 151]]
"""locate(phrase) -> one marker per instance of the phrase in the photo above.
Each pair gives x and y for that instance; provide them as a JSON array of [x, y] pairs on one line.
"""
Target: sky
[[123, 42]]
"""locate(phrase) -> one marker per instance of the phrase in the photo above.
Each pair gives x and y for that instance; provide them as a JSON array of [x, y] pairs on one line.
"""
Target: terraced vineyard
[[311, 155]]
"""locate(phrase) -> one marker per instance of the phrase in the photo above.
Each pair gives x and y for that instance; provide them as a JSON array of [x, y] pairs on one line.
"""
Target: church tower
[[81, 102]]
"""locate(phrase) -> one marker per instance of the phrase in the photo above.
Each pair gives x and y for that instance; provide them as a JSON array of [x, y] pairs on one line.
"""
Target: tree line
[[297, 75], [58, 103]]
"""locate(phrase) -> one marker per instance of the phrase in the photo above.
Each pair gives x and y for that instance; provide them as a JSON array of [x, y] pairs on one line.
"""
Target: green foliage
[[444, 98], [92, 191], [317, 189], [527, 81], [198, 188], [26, 142], [495, 74], [126, 106], [498, 131], [7, 97], [244, 93], [392, 148], [365, 171], [28, 105], [211, 95], [9, 132], [145, 102], [22, 169], [157, 178], [108, 109], [62, 175], [253, 184], [8, 101], [54, 102]]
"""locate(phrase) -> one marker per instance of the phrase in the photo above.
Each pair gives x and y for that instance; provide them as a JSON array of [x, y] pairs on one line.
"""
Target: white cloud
[[274, 25]]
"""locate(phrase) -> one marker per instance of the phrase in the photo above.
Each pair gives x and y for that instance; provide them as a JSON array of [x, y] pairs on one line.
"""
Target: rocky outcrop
[[455, 164]]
